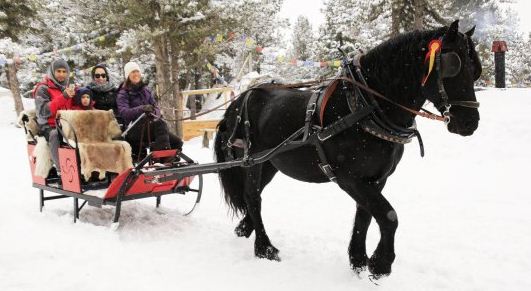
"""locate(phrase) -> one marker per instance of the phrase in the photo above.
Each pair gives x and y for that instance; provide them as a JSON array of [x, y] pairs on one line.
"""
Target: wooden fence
[[194, 128]]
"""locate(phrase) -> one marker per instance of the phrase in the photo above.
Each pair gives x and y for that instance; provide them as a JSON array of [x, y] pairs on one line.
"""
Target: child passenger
[[83, 100]]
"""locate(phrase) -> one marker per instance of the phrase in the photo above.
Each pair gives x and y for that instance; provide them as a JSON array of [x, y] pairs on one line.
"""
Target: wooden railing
[[194, 128]]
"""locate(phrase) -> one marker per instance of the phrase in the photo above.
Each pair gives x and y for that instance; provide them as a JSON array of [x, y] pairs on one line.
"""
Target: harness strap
[[246, 126], [238, 120], [332, 130], [343, 123], [310, 110], [469, 104], [324, 165]]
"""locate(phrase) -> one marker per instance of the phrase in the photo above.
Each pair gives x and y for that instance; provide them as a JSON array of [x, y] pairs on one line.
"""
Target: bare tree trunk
[[420, 13], [177, 96], [395, 17], [192, 98], [162, 56], [14, 86]]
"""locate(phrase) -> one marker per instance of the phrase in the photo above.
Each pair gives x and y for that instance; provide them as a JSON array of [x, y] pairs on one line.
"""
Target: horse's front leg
[[357, 251], [369, 197], [253, 187]]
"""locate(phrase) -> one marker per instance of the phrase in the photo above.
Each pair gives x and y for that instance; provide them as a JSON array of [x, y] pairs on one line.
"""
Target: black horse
[[361, 161]]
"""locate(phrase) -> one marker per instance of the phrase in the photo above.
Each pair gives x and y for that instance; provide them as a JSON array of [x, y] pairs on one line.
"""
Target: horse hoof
[[358, 263], [373, 278], [379, 268], [115, 226], [270, 253], [358, 271], [243, 231]]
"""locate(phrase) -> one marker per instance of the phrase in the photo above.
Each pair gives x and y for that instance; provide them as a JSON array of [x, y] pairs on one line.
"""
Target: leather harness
[[365, 112]]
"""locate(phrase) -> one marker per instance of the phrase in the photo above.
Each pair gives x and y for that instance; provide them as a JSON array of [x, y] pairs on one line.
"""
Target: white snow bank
[[463, 212]]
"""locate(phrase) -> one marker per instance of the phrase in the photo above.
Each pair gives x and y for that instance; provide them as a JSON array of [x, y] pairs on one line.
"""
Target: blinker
[[450, 64]]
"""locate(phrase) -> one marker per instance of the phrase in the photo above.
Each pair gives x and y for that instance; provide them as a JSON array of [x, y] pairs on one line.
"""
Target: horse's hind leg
[[245, 228], [253, 187]]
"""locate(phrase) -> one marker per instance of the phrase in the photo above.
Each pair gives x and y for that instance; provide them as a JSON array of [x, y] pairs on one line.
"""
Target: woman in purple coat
[[134, 98]]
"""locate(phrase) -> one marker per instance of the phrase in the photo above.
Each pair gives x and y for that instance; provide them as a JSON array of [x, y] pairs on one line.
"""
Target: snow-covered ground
[[463, 212]]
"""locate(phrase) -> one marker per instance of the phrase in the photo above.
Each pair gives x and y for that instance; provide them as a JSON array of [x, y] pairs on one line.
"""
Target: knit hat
[[59, 64], [80, 92], [130, 67], [101, 66]]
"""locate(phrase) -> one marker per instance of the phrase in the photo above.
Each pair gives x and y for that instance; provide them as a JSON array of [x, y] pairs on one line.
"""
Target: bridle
[[447, 65]]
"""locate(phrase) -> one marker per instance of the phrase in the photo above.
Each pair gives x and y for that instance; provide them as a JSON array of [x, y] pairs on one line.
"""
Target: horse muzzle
[[463, 121]]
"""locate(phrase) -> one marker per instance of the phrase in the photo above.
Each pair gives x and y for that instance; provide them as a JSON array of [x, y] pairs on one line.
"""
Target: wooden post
[[205, 139], [193, 109], [14, 85], [499, 48]]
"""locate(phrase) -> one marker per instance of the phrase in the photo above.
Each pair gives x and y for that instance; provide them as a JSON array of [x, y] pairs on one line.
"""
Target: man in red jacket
[[51, 95]]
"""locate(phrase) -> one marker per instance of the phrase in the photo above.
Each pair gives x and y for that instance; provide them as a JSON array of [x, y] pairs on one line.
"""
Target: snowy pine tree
[[303, 39]]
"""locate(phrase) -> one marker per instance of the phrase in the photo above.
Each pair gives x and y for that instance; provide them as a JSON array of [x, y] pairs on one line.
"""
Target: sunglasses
[[100, 76]]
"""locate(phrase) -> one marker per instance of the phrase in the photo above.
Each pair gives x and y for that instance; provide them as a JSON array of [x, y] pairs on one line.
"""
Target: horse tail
[[232, 180]]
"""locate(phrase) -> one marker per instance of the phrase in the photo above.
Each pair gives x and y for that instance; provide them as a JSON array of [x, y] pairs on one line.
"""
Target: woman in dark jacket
[[135, 98], [103, 91]]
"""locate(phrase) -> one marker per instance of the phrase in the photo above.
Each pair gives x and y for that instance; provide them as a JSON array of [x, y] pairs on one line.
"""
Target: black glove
[[25, 118], [148, 108]]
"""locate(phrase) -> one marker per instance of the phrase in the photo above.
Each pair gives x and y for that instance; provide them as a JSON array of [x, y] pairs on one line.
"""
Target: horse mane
[[395, 67]]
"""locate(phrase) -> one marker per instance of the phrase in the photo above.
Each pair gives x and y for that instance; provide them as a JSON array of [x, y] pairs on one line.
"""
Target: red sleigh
[[144, 179]]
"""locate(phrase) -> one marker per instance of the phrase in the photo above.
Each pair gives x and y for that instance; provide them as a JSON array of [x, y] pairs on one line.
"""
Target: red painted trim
[[143, 185], [164, 154], [70, 175], [32, 160]]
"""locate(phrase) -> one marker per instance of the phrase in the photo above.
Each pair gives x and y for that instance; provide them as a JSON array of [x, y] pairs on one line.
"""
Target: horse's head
[[449, 84]]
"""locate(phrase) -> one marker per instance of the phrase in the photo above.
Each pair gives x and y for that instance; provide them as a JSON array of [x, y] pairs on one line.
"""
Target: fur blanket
[[90, 125], [43, 157], [94, 130], [41, 152], [114, 156], [31, 124]]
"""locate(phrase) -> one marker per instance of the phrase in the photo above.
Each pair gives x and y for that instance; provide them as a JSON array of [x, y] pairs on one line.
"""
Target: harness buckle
[[327, 170], [311, 108], [446, 113]]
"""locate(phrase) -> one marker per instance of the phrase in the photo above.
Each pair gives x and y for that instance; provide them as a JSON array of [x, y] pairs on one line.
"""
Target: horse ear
[[451, 33], [471, 31]]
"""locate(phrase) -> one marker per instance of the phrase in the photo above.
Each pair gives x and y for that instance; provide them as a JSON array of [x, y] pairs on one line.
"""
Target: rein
[[428, 115]]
